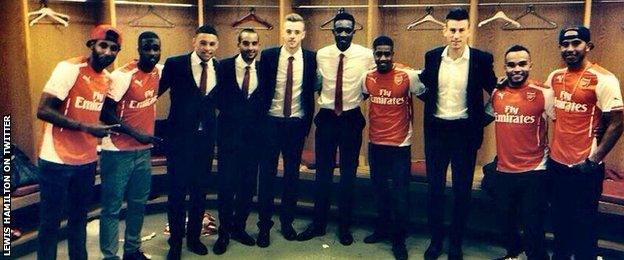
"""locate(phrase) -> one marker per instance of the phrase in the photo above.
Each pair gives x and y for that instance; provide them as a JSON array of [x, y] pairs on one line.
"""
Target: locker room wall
[[607, 31], [51, 43]]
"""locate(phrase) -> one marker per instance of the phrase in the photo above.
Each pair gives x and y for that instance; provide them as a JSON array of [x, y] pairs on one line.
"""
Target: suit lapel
[[472, 70], [189, 70]]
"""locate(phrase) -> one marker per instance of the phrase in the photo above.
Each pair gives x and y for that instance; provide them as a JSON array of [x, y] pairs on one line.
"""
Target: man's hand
[[98, 130], [587, 167], [149, 139]]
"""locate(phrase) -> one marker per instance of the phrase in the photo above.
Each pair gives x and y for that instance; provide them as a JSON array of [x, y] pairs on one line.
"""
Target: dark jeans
[[285, 136], [334, 133], [238, 172], [64, 187], [391, 162], [189, 161], [575, 198], [520, 198], [446, 143]]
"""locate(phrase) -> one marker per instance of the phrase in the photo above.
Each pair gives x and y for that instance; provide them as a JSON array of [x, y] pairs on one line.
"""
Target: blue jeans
[[63, 186], [129, 173]]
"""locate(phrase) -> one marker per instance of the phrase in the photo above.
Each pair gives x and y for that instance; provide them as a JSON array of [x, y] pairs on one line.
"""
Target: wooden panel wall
[[51, 43], [15, 93], [607, 31], [223, 17]]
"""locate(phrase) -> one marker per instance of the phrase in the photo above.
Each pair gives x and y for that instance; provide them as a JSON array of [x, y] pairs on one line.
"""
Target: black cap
[[575, 32]]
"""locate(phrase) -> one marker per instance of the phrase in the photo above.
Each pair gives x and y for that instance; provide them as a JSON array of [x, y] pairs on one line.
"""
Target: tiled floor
[[326, 247]]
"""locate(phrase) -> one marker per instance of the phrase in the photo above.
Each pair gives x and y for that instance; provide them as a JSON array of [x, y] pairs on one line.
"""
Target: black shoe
[[455, 253], [197, 247], [509, 257], [174, 253], [434, 250], [220, 246], [138, 255], [311, 232], [263, 239], [289, 232], [375, 237], [243, 238], [399, 251], [345, 237]]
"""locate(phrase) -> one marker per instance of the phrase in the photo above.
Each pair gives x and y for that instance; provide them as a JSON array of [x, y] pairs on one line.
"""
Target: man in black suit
[[239, 102], [287, 77], [191, 138], [455, 76]]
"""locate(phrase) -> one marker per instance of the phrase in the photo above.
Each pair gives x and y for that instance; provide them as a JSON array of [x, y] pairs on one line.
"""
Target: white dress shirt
[[452, 85], [356, 62], [240, 65], [196, 68], [277, 106]]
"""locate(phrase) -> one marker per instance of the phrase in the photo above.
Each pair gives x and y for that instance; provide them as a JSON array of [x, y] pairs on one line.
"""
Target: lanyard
[[577, 81]]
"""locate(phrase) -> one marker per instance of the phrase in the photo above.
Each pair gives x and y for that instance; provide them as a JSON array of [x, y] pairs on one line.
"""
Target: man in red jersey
[[586, 96], [126, 158], [70, 106], [520, 108], [389, 89]]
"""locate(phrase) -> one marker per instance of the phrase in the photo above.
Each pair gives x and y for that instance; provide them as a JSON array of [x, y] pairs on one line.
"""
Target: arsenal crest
[[398, 79], [500, 94], [530, 96], [584, 82]]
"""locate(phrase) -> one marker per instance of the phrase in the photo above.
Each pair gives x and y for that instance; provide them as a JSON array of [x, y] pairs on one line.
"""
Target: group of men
[[266, 108]]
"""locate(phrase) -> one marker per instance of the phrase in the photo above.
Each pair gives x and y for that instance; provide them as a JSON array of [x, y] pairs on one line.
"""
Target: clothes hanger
[[136, 22], [530, 11], [46, 11], [427, 18], [329, 24], [252, 17], [500, 15]]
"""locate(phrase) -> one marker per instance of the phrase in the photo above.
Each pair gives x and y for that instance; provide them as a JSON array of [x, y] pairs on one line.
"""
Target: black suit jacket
[[267, 80], [188, 107], [480, 77], [237, 113]]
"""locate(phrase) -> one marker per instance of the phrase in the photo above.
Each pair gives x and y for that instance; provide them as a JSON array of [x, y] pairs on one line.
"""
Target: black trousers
[[446, 143], [334, 133], [285, 136], [188, 164], [574, 202], [520, 198], [391, 162], [238, 172]]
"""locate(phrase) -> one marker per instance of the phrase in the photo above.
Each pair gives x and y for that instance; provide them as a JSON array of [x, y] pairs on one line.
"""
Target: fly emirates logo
[[92, 105], [564, 102], [385, 98], [149, 100], [511, 116]]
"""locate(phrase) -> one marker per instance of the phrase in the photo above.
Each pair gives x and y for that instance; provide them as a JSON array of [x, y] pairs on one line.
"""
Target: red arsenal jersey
[[390, 105], [580, 98], [520, 116], [82, 91], [135, 92]]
